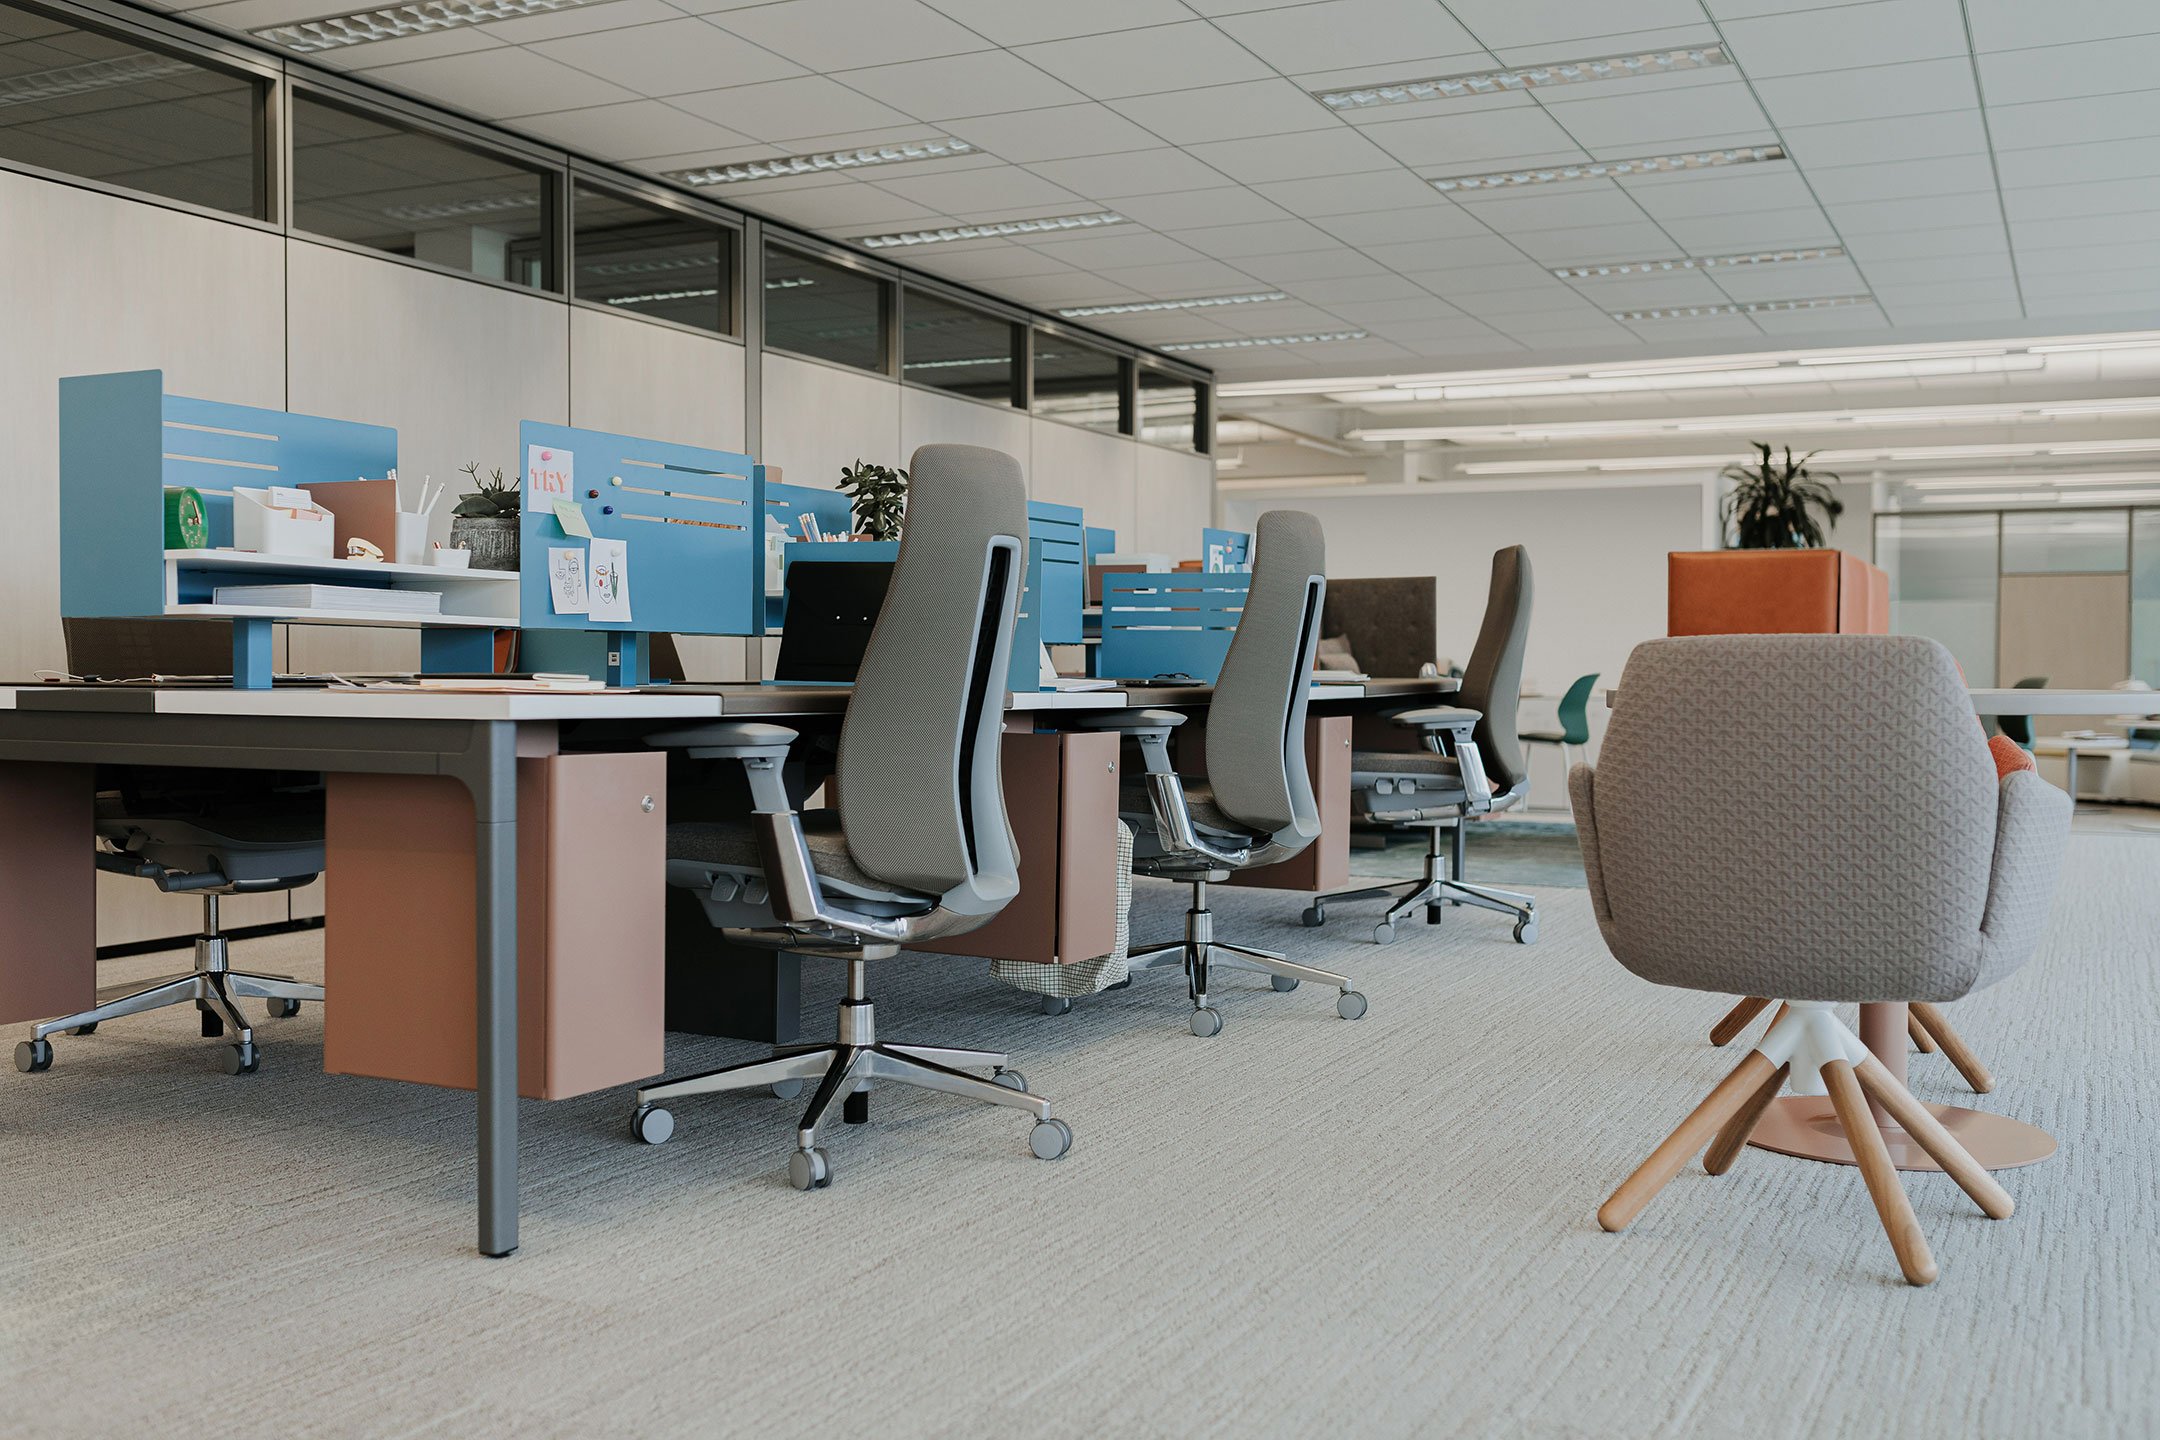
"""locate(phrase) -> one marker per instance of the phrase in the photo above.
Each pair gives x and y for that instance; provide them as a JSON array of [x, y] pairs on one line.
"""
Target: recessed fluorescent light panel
[[1197, 302], [363, 27], [1697, 262], [450, 209], [1751, 307], [1528, 77], [1246, 341], [656, 297], [991, 229], [68, 80], [781, 167], [1611, 169]]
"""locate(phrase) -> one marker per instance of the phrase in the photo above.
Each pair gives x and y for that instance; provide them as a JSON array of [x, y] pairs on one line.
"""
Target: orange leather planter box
[[1774, 592], [398, 943]]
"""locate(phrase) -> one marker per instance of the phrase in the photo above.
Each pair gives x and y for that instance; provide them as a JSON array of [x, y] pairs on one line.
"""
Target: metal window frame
[[1127, 357], [629, 190], [886, 277], [1203, 404], [1014, 318], [153, 32]]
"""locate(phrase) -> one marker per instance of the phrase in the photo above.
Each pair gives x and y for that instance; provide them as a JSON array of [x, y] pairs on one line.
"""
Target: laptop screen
[[832, 606]]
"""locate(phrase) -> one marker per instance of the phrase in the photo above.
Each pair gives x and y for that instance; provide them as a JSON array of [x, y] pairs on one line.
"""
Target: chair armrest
[[761, 748], [2032, 822], [1457, 723], [1144, 719], [1438, 717], [1582, 797]]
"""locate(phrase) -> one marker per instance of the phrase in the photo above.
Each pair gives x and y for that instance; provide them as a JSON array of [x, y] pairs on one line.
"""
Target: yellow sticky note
[[572, 516]]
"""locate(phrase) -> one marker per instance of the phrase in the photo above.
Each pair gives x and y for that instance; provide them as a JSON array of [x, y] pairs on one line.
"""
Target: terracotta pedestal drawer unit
[[398, 943]]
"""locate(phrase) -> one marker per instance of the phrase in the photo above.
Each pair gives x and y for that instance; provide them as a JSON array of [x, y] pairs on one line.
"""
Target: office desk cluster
[[52, 736]]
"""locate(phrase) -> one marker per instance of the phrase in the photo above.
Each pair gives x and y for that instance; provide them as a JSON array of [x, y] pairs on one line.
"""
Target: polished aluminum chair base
[[846, 1071], [1434, 891], [213, 986], [1199, 952]]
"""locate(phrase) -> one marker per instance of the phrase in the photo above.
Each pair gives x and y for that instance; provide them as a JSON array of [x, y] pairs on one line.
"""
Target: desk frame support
[[489, 772]]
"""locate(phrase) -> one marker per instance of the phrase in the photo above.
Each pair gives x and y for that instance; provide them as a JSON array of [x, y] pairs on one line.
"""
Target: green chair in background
[[1574, 728], [2020, 727]]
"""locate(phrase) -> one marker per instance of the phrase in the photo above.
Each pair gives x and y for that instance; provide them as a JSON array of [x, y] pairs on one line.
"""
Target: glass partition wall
[[2067, 597]]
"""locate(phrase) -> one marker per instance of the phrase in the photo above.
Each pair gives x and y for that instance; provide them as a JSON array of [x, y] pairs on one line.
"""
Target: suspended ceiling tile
[[1682, 288], [1157, 172], [1873, 217], [776, 109], [2021, 24], [1323, 196], [1721, 192], [1537, 22], [1338, 33], [1193, 209], [634, 127], [1555, 207], [1924, 243], [1021, 22], [1870, 92], [2100, 160], [1597, 242], [986, 82], [555, 24], [1269, 237], [1904, 179], [828, 35], [1618, 125], [2087, 199], [672, 58], [1180, 278], [1882, 32], [1418, 224], [1142, 62], [1790, 282], [1063, 132], [1869, 142], [2089, 119], [1451, 252], [1340, 151], [1496, 138], [2060, 72], [504, 82], [851, 206], [1350, 289], [1239, 111], [1308, 265], [1099, 252], [1004, 189]]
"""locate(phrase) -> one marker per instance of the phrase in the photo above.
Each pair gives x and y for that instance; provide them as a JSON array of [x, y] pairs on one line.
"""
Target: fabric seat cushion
[[733, 843], [1404, 762], [1199, 798]]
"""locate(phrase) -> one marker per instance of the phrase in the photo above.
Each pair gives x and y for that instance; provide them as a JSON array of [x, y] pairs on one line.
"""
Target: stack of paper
[[331, 597]]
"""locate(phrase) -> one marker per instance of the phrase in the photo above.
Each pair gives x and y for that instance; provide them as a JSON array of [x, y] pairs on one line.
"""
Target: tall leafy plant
[[880, 496], [1772, 503]]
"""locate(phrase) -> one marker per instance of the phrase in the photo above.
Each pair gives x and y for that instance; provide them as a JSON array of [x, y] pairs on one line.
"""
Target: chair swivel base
[[213, 986], [1199, 952], [845, 1070], [1807, 1127], [1432, 893]]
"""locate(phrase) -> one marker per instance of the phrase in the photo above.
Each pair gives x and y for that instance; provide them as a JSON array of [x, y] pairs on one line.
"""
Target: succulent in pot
[[485, 520]]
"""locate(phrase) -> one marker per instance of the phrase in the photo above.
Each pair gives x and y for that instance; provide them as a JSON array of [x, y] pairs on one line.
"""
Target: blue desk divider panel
[[1064, 577], [1100, 542], [689, 517], [123, 440], [1024, 673], [1178, 624], [1225, 551]]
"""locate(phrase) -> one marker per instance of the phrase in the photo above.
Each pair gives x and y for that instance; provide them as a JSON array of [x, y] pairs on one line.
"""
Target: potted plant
[[880, 496], [1769, 506], [485, 520]]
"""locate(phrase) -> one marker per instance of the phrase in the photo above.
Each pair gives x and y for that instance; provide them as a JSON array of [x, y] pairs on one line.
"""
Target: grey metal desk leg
[[489, 771]]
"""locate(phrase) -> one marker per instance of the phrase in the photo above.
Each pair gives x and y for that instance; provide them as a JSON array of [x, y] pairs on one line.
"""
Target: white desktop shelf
[[470, 598]]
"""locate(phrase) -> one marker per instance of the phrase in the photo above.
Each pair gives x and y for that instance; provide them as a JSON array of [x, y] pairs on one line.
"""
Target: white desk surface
[[370, 704], [2066, 702]]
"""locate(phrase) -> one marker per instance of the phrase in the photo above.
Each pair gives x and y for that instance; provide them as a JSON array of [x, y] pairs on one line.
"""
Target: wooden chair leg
[[1919, 1034], [1736, 1020], [1891, 1204], [1936, 1024], [1918, 1122], [1733, 1138], [1640, 1188]]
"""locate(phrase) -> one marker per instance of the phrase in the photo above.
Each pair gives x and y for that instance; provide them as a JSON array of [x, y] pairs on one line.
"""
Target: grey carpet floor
[[1301, 1227], [1511, 853]]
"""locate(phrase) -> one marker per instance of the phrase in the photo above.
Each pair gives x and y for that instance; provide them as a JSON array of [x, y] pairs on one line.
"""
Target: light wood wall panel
[[927, 418], [820, 419], [2074, 629], [1097, 472], [633, 377]]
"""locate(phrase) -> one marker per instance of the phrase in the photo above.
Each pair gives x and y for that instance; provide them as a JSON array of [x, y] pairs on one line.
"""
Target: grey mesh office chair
[[918, 846], [199, 832], [1256, 805], [1472, 765], [1814, 818]]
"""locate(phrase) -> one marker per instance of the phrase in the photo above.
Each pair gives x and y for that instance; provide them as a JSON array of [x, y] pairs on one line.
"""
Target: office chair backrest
[[1256, 721], [1391, 622], [1806, 816], [1575, 710], [1492, 682], [920, 797]]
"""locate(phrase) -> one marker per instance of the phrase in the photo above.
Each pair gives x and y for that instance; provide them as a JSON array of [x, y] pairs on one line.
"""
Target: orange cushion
[[2010, 757]]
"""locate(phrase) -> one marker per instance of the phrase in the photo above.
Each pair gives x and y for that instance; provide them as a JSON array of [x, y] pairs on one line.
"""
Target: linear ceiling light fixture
[[91, 75], [1697, 262], [780, 167], [1245, 341], [1612, 169], [992, 229], [657, 297], [395, 22], [1528, 77], [1747, 307], [1197, 302], [452, 209]]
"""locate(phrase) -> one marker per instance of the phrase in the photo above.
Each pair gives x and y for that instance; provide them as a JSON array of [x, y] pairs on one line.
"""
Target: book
[[330, 597]]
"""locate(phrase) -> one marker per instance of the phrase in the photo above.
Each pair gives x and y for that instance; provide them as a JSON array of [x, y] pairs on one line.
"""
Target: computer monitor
[[832, 605]]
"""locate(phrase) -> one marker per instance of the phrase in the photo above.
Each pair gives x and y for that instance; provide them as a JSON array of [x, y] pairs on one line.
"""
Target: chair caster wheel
[[651, 1124], [1384, 933], [1526, 931], [1350, 1005], [241, 1059], [1433, 914], [1055, 1005], [1314, 916], [1050, 1139], [1010, 1079], [1206, 1021], [786, 1089], [279, 1009], [33, 1057], [1283, 984], [809, 1169], [855, 1110], [90, 1029]]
